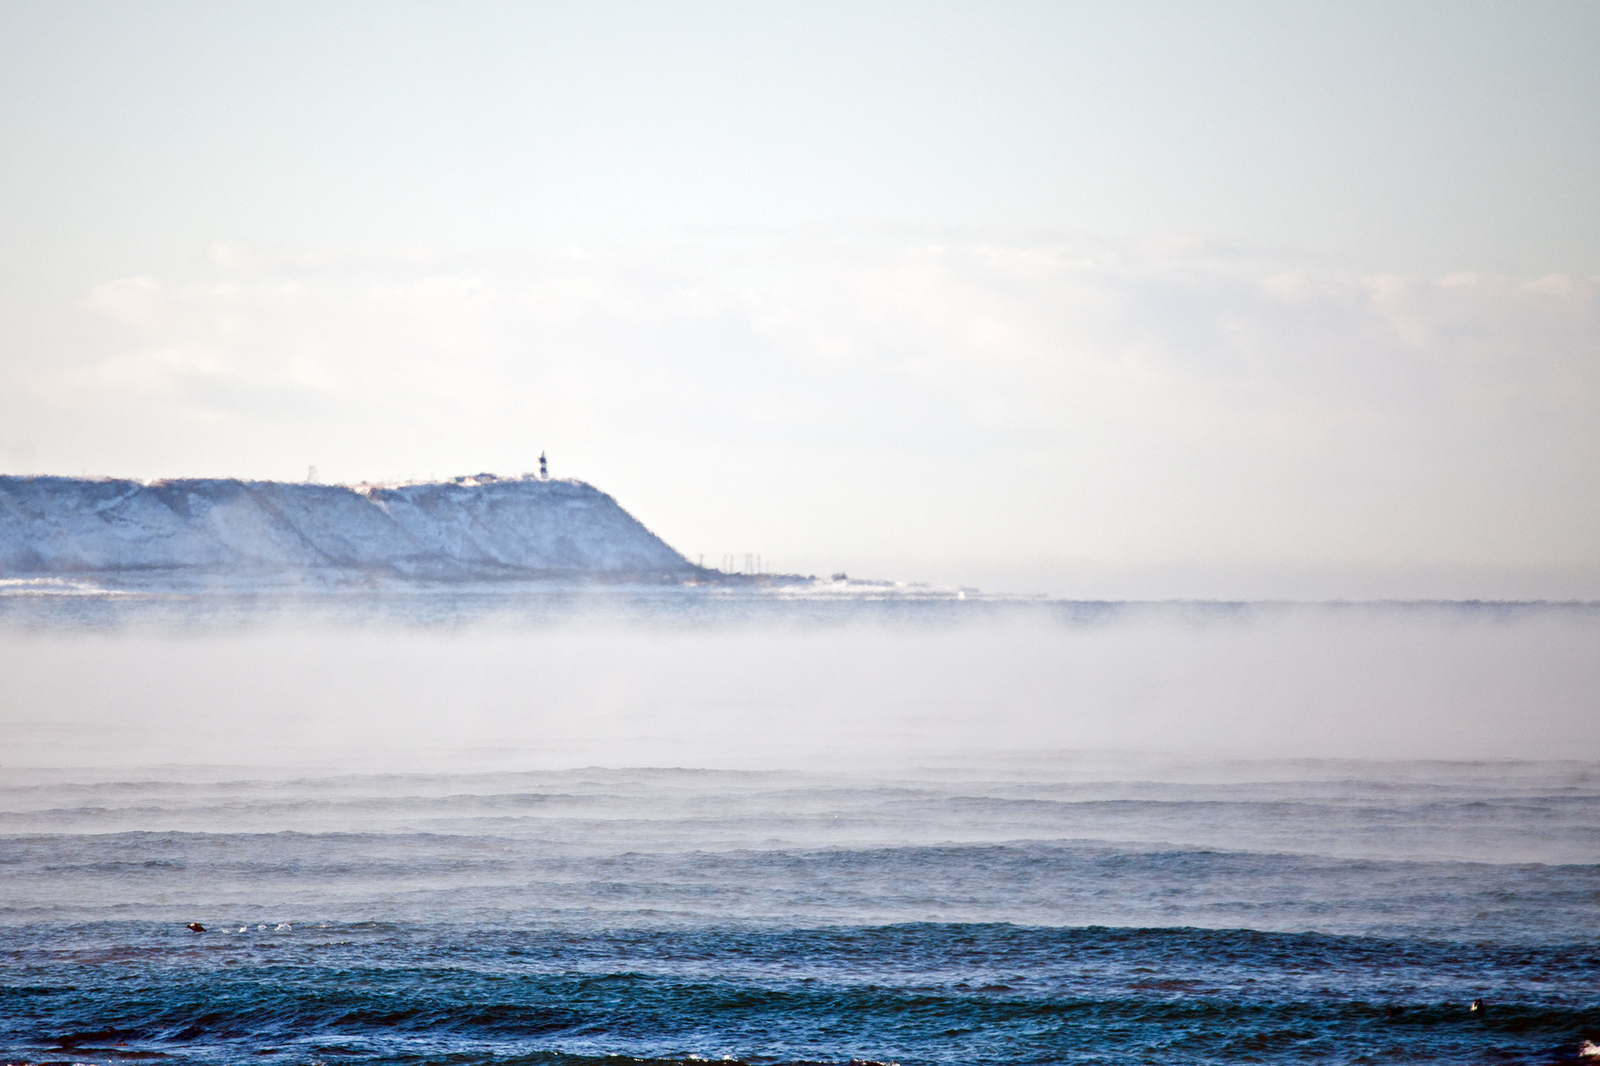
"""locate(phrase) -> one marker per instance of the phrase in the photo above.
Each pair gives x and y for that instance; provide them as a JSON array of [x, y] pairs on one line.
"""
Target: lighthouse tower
[[544, 468]]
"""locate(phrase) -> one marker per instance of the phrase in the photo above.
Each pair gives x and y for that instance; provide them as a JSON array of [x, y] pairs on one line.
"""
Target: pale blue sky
[[1426, 137], [843, 244]]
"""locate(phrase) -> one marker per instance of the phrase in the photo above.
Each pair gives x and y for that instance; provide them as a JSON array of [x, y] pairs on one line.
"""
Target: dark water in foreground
[[1327, 912], [915, 993]]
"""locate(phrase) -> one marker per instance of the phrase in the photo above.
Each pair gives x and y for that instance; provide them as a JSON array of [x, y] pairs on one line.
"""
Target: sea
[[664, 827]]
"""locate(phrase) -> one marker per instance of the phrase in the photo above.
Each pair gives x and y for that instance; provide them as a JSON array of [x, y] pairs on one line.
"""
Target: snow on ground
[[473, 528]]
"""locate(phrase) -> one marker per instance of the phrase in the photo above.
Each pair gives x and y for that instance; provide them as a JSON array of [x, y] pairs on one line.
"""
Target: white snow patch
[[55, 529]]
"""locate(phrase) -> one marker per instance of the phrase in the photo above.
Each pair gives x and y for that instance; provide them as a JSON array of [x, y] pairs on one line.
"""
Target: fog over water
[[436, 685]]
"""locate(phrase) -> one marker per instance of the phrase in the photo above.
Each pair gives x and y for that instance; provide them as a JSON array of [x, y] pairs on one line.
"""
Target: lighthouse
[[544, 467]]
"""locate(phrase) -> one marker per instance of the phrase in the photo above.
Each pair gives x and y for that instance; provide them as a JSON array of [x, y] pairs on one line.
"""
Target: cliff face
[[466, 529]]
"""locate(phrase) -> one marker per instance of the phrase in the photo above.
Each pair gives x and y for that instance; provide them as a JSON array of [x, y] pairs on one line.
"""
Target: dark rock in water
[[195, 927], [223, 529]]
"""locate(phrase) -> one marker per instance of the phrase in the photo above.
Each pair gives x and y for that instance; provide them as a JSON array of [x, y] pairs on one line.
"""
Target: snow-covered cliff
[[467, 529]]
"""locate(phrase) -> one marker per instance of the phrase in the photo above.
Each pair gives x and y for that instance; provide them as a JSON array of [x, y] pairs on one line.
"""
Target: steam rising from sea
[[678, 678]]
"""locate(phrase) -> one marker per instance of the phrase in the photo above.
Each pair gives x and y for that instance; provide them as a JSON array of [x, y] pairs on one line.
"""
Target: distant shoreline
[[199, 533]]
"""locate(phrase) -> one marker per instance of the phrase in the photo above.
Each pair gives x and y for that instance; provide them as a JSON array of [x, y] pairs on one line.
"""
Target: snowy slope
[[470, 528]]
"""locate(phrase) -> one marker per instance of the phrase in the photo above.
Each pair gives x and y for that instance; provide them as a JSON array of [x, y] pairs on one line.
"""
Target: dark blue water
[[1011, 916], [935, 993]]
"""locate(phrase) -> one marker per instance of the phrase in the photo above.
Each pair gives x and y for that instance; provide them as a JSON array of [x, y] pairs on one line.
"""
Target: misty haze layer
[[691, 678], [231, 529]]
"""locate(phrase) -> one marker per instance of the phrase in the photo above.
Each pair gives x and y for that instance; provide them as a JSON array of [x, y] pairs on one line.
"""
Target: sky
[[1095, 299]]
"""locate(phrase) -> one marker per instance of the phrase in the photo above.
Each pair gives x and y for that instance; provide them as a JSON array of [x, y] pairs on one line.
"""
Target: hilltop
[[228, 530]]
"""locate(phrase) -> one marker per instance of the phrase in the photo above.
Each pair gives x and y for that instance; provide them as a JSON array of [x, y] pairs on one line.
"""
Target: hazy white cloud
[[886, 394]]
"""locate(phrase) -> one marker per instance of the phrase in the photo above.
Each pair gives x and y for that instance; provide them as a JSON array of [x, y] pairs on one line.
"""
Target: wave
[[931, 993], [1497, 819], [499, 880]]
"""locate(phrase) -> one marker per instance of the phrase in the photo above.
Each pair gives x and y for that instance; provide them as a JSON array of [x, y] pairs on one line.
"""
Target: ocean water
[[956, 885]]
